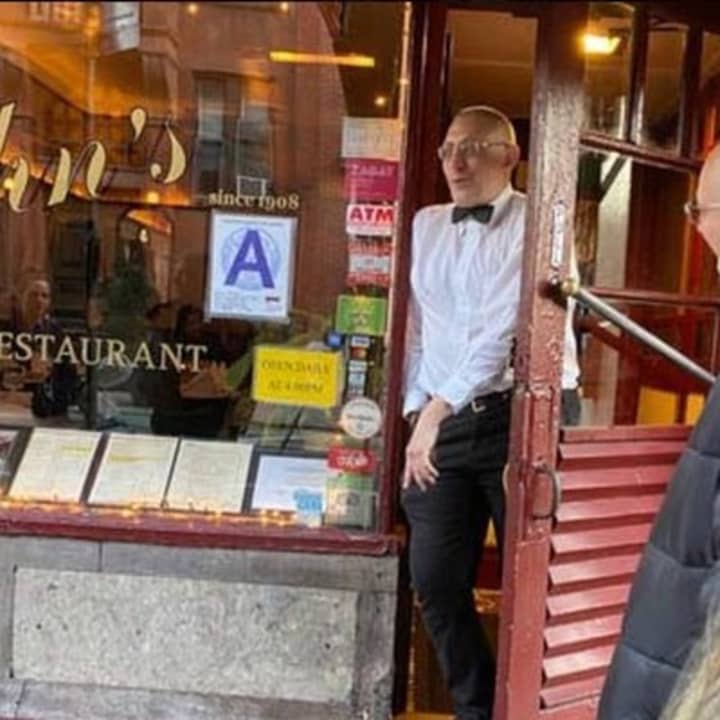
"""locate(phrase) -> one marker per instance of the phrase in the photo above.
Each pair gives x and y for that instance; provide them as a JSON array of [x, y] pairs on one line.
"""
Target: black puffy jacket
[[671, 591]]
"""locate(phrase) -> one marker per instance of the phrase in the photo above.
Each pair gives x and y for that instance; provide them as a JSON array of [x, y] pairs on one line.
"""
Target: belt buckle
[[477, 405]]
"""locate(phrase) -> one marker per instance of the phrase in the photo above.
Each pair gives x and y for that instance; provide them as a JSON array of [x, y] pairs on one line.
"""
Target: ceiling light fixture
[[593, 44], [309, 58]]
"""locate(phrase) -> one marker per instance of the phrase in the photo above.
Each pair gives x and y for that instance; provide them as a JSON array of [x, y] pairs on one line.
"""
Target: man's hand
[[418, 464]]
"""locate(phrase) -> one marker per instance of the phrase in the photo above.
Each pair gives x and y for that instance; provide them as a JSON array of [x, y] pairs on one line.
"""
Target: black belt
[[482, 402]]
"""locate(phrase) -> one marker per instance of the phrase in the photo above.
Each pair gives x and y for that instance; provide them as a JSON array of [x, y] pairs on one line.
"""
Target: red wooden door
[[613, 481]]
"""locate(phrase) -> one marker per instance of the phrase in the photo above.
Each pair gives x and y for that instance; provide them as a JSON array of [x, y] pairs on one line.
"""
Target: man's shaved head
[[496, 125], [479, 153], [708, 193]]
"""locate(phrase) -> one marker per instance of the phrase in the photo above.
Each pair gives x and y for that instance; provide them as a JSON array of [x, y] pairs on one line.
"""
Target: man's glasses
[[469, 148], [695, 210]]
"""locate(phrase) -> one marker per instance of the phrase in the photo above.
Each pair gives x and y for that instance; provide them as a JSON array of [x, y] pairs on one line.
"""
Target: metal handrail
[[570, 287]]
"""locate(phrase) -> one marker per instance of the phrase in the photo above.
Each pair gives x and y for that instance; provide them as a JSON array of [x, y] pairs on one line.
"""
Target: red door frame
[[555, 141]]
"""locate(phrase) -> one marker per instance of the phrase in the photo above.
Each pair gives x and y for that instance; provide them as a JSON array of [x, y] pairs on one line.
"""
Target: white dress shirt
[[465, 293]]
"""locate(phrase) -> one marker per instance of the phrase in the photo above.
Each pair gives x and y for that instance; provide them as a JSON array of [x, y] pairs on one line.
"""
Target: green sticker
[[360, 315], [350, 500]]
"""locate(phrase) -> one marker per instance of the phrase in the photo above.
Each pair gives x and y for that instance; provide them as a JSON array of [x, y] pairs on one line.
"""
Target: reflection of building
[[246, 124]]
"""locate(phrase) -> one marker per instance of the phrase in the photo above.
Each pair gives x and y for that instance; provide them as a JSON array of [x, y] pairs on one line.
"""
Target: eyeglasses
[[469, 148], [694, 210]]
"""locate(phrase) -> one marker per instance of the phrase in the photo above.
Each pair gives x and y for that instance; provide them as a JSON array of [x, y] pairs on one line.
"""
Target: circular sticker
[[361, 418]]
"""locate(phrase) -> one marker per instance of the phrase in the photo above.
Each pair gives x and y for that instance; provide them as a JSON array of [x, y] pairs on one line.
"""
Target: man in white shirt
[[465, 293]]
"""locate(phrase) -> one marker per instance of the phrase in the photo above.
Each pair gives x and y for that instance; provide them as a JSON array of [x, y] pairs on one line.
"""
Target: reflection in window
[[127, 272], [252, 145], [602, 218], [607, 46], [663, 85], [626, 383], [631, 235], [626, 211]]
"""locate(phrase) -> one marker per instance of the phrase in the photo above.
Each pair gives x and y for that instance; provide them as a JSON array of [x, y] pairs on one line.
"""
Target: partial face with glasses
[[477, 160], [705, 212]]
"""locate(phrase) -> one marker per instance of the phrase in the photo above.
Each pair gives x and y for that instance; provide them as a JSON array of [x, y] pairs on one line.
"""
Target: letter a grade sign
[[250, 266]]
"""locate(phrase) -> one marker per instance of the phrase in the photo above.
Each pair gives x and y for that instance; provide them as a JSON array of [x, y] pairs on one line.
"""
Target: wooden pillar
[[555, 135]]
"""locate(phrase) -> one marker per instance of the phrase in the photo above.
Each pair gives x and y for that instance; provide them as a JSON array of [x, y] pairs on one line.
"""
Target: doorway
[[489, 59]]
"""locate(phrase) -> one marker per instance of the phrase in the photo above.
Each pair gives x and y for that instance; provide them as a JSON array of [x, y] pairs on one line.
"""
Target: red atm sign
[[370, 220]]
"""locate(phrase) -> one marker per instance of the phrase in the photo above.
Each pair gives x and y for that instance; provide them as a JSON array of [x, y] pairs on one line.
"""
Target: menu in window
[[134, 470], [55, 465], [280, 478], [210, 476]]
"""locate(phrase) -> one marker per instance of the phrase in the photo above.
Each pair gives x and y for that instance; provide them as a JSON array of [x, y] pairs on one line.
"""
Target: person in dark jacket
[[697, 692], [677, 578]]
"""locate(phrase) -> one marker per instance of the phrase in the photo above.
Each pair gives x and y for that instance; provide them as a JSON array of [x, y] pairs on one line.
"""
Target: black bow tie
[[481, 213]]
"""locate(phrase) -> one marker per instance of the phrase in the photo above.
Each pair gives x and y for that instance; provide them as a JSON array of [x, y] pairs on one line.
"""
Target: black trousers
[[447, 523]]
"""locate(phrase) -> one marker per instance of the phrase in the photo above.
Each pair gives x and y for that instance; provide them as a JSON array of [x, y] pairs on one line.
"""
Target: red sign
[[369, 263], [372, 220], [371, 180], [353, 460]]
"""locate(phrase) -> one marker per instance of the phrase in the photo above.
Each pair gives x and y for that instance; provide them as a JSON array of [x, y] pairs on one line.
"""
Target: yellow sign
[[289, 376]]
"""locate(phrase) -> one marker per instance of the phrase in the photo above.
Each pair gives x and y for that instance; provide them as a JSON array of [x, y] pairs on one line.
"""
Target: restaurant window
[[607, 46], [199, 211], [253, 144], [634, 83], [636, 251], [666, 43]]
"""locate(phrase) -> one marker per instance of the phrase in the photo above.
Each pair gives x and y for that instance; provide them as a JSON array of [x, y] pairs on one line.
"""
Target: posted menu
[[55, 465], [280, 477], [210, 476], [134, 470]]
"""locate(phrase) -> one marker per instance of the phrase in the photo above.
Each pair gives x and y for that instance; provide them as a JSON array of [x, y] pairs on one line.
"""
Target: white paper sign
[[361, 418], [134, 470], [279, 477], [250, 266], [55, 465], [210, 476], [376, 138]]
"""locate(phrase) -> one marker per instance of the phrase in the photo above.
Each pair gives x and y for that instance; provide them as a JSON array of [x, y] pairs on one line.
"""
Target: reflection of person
[[193, 403], [465, 291], [677, 576], [53, 384]]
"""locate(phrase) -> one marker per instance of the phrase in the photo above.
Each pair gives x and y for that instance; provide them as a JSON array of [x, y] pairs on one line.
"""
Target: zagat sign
[[93, 154]]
